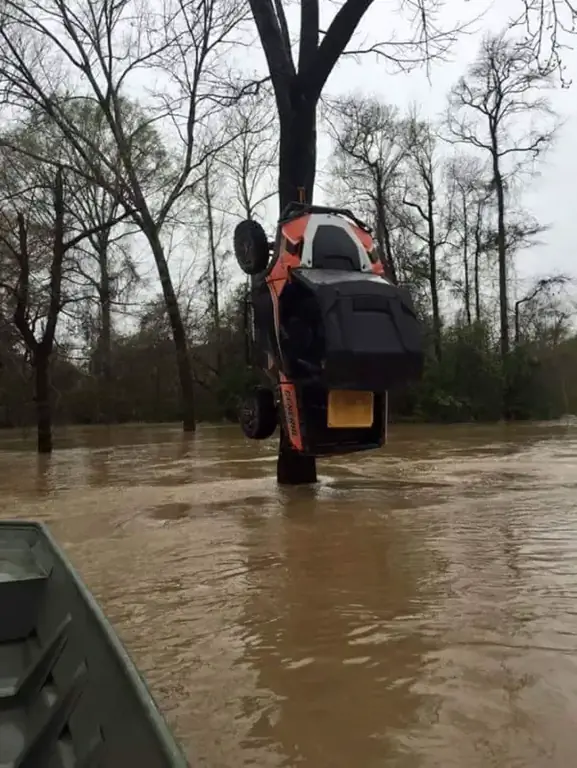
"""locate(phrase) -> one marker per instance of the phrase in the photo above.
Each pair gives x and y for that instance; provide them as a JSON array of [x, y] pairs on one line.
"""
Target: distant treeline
[[467, 384]]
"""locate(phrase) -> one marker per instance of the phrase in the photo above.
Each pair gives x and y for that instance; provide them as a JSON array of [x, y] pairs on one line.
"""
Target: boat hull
[[69, 693]]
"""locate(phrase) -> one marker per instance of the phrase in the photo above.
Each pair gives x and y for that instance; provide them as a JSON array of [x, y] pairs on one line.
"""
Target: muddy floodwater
[[416, 608]]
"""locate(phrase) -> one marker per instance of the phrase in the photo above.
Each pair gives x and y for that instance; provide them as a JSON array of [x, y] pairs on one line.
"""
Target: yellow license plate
[[350, 410]]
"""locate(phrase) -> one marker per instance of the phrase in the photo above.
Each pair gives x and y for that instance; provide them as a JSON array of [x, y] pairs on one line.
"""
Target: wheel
[[251, 247], [258, 414]]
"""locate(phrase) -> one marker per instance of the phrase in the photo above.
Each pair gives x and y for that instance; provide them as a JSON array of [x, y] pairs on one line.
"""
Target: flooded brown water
[[417, 608]]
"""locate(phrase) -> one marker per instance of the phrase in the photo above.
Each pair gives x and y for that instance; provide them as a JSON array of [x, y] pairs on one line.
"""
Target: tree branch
[[335, 41], [309, 34], [283, 26], [422, 213], [279, 60]]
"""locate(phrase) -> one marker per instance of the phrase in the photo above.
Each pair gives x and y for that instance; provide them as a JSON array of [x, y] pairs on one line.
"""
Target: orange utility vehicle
[[331, 333]]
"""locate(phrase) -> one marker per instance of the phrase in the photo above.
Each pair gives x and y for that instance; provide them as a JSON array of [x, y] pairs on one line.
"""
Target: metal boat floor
[[70, 696]]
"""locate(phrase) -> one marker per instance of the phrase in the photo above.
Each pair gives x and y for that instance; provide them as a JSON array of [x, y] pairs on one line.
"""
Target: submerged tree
[[298, 86], [106, 44], [106, 273], [41, 226]]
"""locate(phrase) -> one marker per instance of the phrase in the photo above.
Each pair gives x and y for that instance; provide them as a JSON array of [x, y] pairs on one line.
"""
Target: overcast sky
[[551, 197]]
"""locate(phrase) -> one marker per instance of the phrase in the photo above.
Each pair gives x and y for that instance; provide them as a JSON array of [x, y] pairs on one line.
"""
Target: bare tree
[[370, 156], [103, 263], [543, 291], [298, 84], [248, 163], [480, 237], [468, 175], [546, 26], [107, 274], [250, 157], [430, 217], [213, 275], [489, 109], [39, 233], [105, 45]]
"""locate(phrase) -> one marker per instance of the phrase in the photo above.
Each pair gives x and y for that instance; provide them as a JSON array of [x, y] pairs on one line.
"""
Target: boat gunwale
[[154, 716]]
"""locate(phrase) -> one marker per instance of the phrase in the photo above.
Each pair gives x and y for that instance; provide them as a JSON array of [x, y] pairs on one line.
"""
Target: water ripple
[[415, 608]]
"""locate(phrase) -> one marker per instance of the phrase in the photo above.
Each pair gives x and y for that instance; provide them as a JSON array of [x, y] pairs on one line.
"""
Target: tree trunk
[[502, 253], [435, 301], [297, 95], [467, 287], [383, 234], [214, 272], [178, 332], [105, 337], [42, 398], [389, 250], [503, 300], [297, 152], [517, 323], [476, 267], [297, 168], [433, 277], [294, 468]]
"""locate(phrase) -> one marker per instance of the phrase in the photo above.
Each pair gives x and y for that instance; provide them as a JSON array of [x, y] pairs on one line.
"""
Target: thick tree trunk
[[42, 398], [297, 169], [292, 467], [297, 91], [297, 152], [183, 364], [106, 360]]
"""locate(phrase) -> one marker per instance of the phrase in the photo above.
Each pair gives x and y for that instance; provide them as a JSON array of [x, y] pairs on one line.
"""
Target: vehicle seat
[[334, 249]]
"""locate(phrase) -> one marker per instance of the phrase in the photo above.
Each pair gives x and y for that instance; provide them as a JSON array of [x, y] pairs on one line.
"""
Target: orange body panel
[[277, 277], [364, 237], [295, 230], [291, 409], [285, 261]]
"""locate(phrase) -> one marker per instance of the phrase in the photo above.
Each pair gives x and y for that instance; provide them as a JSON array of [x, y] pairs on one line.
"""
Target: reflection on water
[[418, 607]]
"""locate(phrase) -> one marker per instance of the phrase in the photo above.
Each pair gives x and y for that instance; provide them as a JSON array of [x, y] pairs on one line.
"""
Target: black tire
[[258, 414], [251, 247]]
